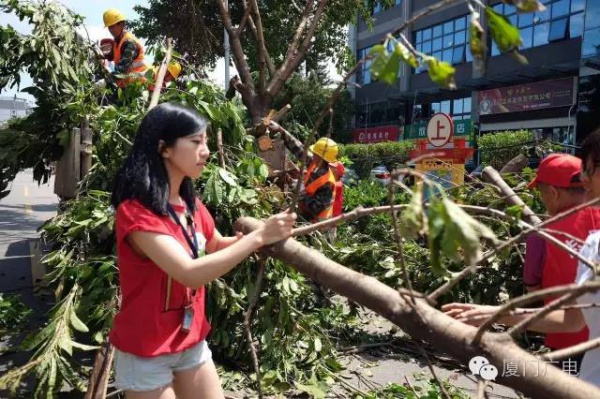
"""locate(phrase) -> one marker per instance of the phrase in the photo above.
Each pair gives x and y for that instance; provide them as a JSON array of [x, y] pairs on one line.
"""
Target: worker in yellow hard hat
[[316, 201], [173, 72], [127, 52]]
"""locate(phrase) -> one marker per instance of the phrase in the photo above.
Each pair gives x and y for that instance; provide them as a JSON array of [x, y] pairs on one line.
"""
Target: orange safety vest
[[311, 189], [137, 66]]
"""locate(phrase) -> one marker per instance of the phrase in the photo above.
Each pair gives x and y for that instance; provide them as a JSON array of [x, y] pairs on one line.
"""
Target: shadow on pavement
[[14, 218]]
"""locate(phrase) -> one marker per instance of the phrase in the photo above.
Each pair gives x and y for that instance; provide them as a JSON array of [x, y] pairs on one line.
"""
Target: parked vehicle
[[381, 175]]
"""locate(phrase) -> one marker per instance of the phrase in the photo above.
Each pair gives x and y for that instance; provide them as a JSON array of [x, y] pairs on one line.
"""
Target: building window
[[558, 29], [446, 41], [378, 7], [364, 74], [562, 19], [459, 108]]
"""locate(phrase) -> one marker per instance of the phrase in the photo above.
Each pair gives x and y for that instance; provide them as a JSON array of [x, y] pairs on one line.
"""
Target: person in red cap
[[559, 182]]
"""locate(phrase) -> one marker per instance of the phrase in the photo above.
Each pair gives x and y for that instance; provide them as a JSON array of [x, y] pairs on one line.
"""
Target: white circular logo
[[440, 129], [476, 363], [488, 372]]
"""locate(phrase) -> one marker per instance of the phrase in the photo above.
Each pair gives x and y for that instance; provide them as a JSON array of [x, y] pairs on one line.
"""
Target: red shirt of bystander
[[149, 321]]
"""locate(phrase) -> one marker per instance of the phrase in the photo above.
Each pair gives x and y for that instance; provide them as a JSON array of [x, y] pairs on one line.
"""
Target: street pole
[[227, 56]]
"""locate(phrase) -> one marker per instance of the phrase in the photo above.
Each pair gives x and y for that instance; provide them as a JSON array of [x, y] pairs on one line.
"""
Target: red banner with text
[[527, 97], [375, 134]]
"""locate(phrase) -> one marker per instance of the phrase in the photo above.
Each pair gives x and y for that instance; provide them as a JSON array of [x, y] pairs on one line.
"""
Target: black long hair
[[143, 176], [590, 148]]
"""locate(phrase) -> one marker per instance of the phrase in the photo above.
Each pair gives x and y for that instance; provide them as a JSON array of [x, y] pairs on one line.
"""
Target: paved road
[[21, 213], [25, 209]]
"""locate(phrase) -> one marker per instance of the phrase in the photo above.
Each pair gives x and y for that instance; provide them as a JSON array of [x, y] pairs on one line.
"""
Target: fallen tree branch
[[572, 351], [248, 321], [536, 296], [528, 229], [421, 321], [491, 175], [160, 77]]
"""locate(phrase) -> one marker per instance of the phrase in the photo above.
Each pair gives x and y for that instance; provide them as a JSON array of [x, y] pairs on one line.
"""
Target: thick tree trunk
[[421, 321]]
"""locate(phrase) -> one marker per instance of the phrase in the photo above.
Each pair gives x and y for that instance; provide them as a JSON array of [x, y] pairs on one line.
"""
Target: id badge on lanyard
[[188, 313]]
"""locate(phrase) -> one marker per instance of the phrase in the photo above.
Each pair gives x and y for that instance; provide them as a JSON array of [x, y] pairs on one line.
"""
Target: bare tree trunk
[[421, 321]]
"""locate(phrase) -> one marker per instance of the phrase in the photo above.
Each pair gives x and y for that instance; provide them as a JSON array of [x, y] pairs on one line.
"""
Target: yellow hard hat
[[174, 69], [326, 149], [112, 16]]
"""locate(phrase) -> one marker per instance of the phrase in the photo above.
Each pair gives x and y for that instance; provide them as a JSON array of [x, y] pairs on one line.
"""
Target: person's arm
[[218, 242], [166, 252], [128, 54], [565, 320]]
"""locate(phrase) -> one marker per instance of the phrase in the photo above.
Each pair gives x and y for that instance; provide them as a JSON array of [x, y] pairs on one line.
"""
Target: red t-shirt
[[560, 267], [148, 323]]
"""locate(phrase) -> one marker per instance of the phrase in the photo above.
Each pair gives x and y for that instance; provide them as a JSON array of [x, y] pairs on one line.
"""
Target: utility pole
[[227, 49]]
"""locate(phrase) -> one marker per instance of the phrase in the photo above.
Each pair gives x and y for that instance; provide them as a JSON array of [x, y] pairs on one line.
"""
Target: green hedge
[[365, 156], [496, 149]]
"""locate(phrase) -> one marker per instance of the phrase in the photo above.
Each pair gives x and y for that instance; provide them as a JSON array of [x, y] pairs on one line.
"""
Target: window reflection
[[560, 8], [445, 41], [592, 15], [576, 25], [459, 108], [560, 20], [540, 34], [591, 43], [558, 29]]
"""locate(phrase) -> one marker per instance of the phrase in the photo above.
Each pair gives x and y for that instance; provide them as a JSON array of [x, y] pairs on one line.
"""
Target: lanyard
[[193, 241]]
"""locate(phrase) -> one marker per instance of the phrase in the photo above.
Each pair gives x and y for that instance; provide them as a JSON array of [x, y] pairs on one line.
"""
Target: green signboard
[[419, 130]]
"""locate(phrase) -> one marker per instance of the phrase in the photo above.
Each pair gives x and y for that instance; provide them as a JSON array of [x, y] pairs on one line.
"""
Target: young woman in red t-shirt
[[163, 232]]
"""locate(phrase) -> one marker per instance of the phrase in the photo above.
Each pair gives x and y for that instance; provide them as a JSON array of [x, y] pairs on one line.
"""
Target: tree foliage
[[308, 96], [58, 61], [296, 335], [196, 27]]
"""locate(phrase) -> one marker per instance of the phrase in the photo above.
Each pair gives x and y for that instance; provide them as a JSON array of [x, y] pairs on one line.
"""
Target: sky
[[92, 10]]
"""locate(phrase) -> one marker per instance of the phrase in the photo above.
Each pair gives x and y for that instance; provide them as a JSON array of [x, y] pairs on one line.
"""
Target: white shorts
[[136, 373]]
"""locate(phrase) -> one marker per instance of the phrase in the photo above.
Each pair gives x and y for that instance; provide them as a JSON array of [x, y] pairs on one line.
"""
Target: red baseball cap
[[559, 170]]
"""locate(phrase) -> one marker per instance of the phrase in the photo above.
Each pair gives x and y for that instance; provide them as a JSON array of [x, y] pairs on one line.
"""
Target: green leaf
[[65, 343], [35, 339], [441, 72], [385, 65], [318, 345], [51, 377], [77, 323], [84, 347], [506, 36], [515, 211], [406, 55], [413, 219], [263, 171], [228, 177], [312, 390]]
